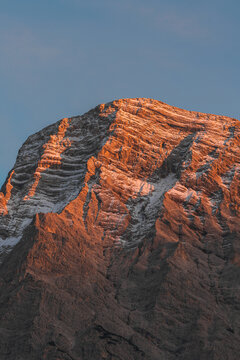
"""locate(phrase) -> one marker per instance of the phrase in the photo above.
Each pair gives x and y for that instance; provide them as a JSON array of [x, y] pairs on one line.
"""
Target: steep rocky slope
[[120, 237]]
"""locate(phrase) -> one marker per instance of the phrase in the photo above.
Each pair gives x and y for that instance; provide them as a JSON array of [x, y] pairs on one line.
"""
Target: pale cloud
[[21, 44], [185, 26], [156, 15], [171, 20]]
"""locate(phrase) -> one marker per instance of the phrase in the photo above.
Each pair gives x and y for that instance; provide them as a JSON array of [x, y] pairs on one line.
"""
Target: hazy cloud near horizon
[[61, 58]]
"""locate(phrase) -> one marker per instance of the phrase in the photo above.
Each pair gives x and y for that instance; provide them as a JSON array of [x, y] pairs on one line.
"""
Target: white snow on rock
[[60, 180]]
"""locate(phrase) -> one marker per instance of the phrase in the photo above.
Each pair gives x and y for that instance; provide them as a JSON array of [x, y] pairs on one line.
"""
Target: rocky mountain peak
[[119, 231]]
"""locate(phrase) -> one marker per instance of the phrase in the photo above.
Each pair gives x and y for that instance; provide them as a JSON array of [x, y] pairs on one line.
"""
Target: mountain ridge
[[128, 246]]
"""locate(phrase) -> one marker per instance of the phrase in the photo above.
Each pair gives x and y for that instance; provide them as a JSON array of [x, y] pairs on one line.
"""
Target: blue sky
[[60, 58]]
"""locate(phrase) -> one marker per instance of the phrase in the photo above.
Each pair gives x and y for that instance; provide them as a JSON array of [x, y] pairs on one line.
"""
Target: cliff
[[120, 237]]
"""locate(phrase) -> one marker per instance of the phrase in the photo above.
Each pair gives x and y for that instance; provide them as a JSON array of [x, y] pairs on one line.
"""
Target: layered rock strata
[[120, 237]]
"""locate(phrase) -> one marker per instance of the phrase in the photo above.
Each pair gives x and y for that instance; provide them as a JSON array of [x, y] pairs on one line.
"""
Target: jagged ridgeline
[[119, 235]]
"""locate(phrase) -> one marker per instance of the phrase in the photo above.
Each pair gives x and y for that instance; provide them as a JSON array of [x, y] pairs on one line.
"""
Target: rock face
[[120, 238]]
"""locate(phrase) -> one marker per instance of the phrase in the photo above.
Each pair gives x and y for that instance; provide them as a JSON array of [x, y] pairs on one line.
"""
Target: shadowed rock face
[[120, 238]]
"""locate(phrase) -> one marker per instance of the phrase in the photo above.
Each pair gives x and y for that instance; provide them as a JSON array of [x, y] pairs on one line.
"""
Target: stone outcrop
[[120, 237]]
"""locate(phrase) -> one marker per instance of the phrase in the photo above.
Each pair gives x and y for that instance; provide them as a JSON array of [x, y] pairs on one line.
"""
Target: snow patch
[[144, 211]]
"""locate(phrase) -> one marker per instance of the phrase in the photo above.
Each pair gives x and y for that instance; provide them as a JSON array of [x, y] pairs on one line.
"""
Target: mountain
[[120, 238]]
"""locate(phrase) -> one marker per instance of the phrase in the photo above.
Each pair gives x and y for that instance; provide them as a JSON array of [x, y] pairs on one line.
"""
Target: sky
[[60, 58]]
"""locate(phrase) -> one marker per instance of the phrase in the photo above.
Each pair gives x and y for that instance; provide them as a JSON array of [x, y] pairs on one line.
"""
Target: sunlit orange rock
[[4, 199], [128, 238], [52, 154]]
